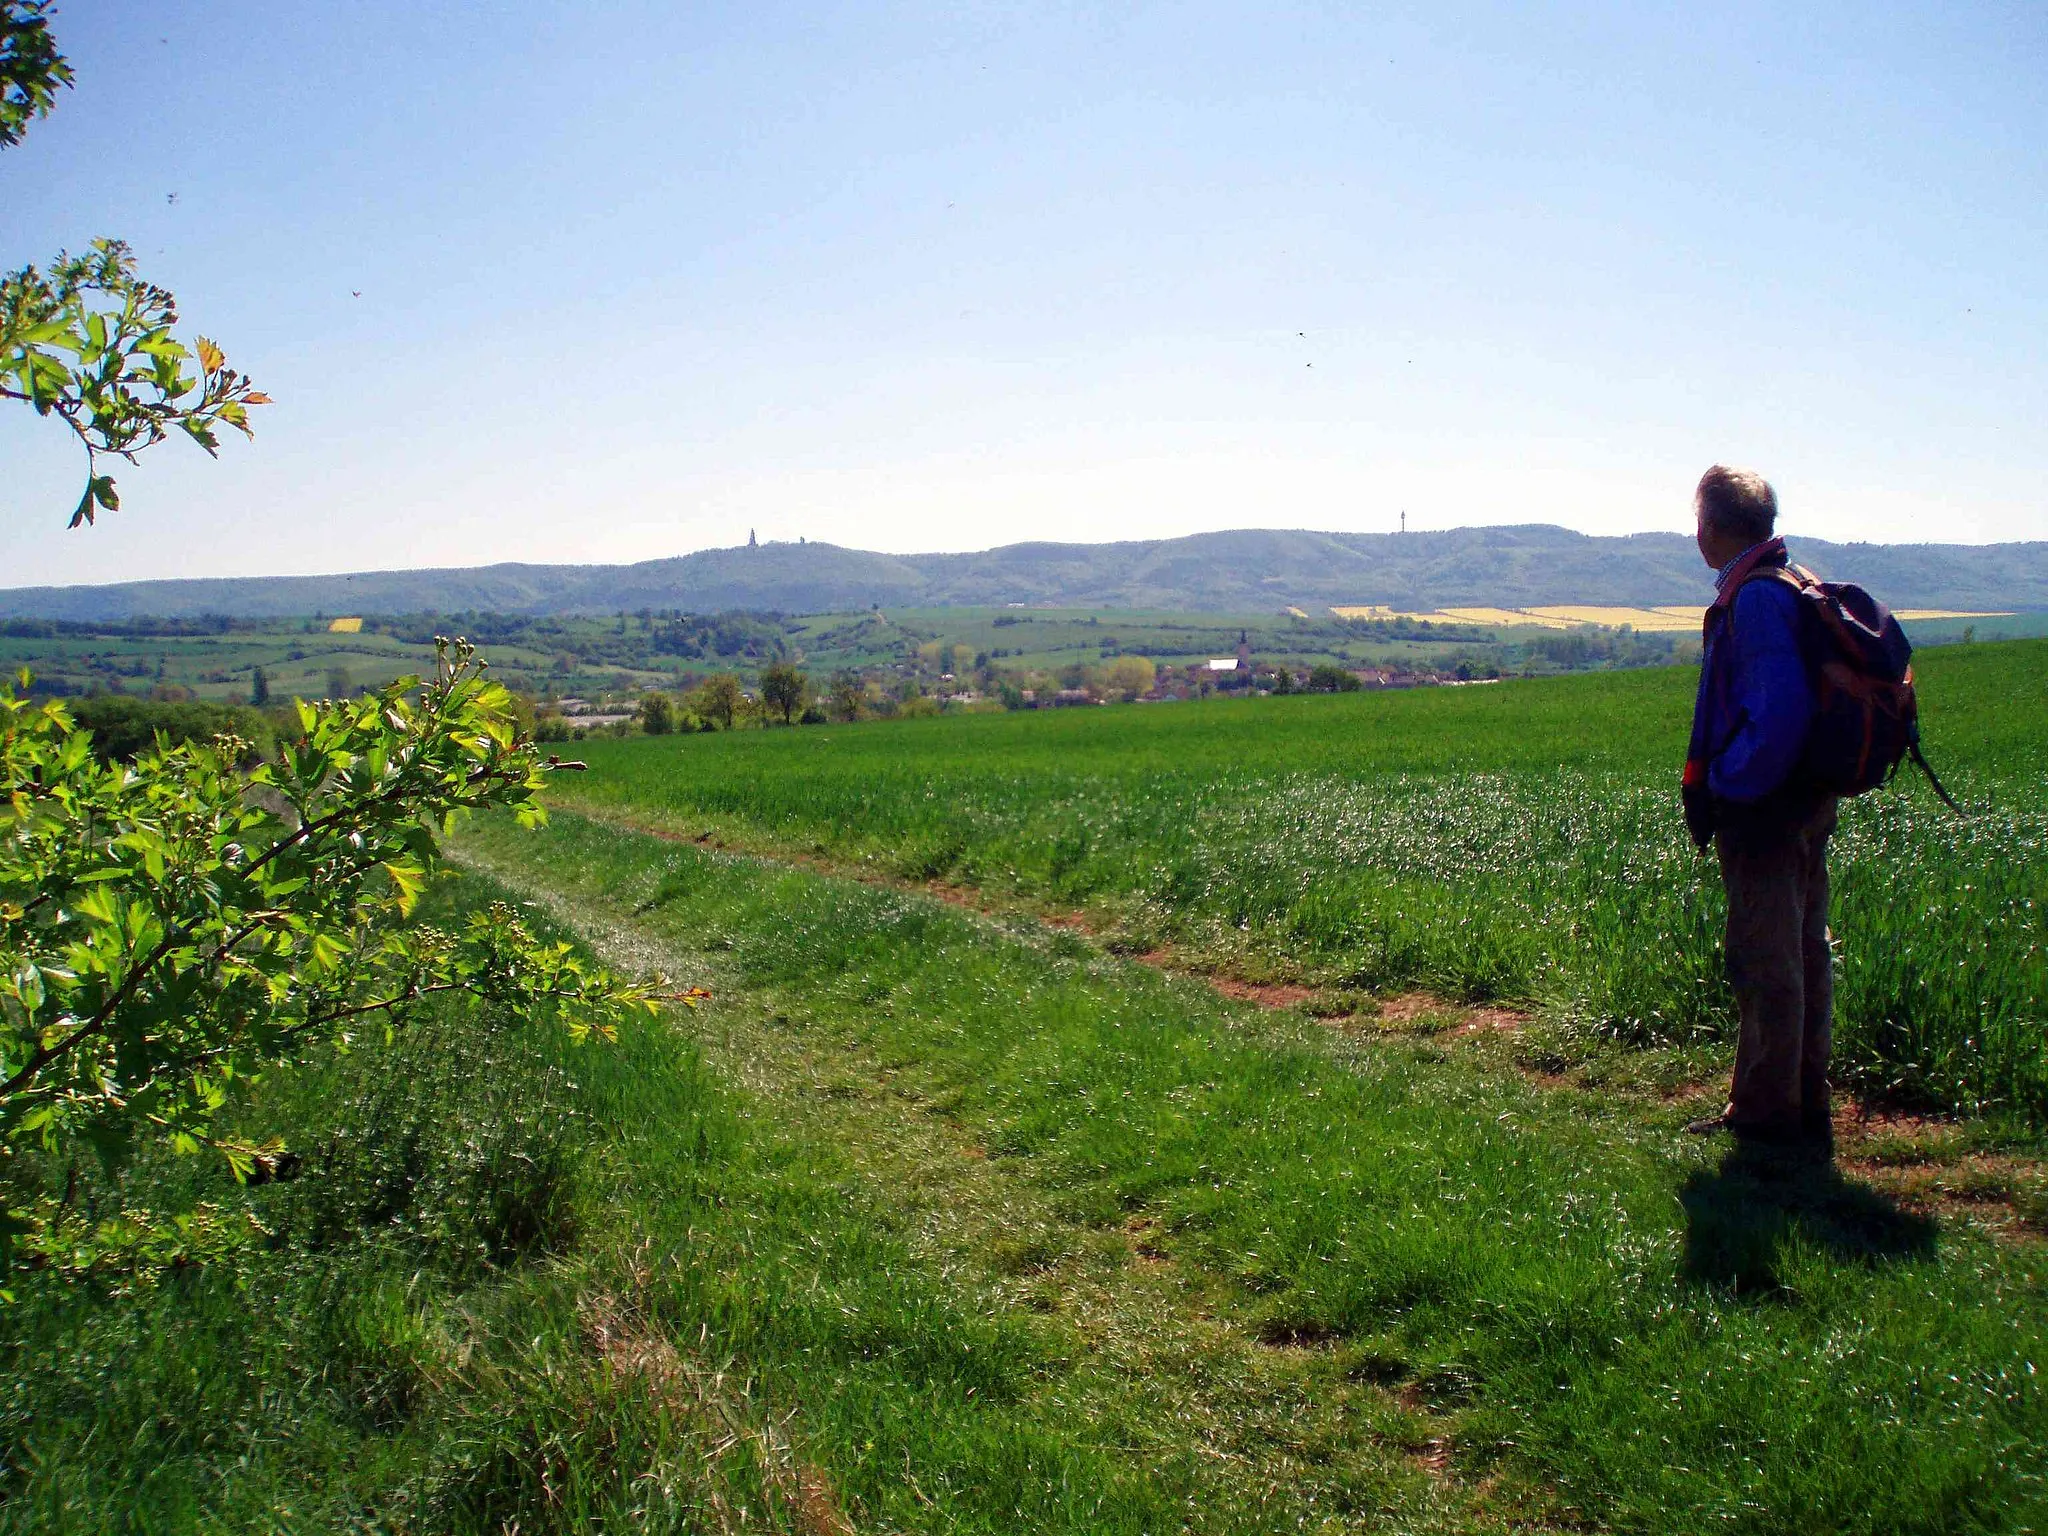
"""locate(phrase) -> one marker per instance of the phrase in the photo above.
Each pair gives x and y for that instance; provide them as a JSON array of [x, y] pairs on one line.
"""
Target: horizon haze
[[1244, 570]]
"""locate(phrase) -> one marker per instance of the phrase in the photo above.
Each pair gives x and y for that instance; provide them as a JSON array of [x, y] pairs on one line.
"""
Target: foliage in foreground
[[170, 927], [90, 343]]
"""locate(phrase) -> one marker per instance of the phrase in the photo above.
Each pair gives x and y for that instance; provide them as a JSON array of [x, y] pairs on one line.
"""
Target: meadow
[[1517, 842]]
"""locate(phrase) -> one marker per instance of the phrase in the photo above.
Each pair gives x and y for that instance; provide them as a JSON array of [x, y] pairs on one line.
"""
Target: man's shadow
[[1739, 1215]]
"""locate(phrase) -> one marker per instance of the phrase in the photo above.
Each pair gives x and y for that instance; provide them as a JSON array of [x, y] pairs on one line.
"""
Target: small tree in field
[[1326, 677], [849, 697], [719, 698], [785, 690], [657, 714], [1129, 676]]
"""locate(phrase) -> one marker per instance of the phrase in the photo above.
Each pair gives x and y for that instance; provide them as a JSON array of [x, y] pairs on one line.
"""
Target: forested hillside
[[1248, 570]]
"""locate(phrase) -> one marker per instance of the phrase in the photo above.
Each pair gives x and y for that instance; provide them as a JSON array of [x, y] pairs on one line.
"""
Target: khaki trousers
[[1782, 970]]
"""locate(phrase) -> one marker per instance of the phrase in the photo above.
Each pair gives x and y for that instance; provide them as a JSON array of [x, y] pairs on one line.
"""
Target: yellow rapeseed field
[[1502, 617], [1945, 613], [1652, 619], [1668, 619], [350, 626]]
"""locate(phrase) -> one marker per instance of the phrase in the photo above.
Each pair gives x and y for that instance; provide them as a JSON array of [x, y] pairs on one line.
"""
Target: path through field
[[1314, 1277], [1155, 1350]]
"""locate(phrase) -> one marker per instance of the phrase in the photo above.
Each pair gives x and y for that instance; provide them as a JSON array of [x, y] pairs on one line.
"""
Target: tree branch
[[44, 1055]]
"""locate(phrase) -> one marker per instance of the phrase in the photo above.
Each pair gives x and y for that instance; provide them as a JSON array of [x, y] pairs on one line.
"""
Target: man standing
[[1744, 792]]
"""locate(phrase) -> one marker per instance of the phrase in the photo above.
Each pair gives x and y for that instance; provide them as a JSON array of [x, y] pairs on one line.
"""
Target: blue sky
[[634, 279]]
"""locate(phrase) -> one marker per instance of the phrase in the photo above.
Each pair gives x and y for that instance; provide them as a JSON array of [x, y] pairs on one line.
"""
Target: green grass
[[1518, 841], [953, 1226], [517, 1284], [1608, 1320]]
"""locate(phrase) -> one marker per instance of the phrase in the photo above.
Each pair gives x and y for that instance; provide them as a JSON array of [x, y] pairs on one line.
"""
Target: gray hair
[[1737, 502]]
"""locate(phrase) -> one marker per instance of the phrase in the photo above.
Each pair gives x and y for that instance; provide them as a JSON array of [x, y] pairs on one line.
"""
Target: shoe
[[1756, 1135]]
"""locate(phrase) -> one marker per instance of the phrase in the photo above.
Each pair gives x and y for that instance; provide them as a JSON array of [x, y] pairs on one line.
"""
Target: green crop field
[[1518, 841]]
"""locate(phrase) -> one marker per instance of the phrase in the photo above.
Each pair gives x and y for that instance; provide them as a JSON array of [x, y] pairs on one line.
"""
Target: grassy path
[[1156, 1357], [1294, 1275], [1993, 1177]]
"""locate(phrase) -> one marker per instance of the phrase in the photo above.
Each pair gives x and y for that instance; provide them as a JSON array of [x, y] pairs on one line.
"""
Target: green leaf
[[408, 880]]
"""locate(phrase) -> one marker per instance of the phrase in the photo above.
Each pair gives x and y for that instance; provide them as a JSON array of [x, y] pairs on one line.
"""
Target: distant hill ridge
[[1249, 570]]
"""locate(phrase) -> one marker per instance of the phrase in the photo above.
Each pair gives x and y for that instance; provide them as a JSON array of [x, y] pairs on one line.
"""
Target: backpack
[[1866, 716]]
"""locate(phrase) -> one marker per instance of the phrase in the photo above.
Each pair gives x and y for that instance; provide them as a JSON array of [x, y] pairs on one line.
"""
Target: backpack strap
[[1752, 562], [1914, 749], [1795, 576]]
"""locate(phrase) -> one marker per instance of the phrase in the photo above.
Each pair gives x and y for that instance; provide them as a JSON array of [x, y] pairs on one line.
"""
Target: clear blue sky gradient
[[635, 278]]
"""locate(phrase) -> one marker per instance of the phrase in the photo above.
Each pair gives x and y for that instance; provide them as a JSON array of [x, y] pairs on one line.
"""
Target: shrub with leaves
[[718, 698], [172, 926], [125, 727]]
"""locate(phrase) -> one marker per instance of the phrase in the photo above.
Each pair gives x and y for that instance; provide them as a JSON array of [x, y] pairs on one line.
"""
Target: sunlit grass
[[1515, 842], [1618, 1322]]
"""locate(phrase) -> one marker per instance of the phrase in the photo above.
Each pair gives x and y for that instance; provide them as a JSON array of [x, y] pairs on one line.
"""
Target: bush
[[1328, 678], [123, 727], [657, 714], [166, 934], [784, 690]]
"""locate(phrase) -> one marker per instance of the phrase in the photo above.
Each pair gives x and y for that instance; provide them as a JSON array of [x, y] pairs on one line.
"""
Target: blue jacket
[[1755, 704]]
